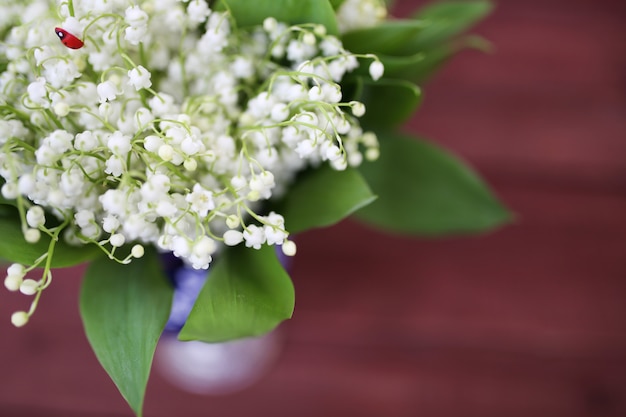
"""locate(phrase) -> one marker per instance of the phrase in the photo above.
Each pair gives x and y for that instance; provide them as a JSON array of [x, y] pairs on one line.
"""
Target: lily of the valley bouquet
[[213, 131]]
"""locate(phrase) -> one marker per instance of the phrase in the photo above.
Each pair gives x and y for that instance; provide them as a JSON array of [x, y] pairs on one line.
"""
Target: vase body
[[208, 368]]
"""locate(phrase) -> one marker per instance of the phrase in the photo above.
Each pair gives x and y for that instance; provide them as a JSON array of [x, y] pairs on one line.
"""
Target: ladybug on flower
[[69, 40]]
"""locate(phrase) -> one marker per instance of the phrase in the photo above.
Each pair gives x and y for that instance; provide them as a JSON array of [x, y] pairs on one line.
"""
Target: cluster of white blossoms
[[360, 14], [168, 127]]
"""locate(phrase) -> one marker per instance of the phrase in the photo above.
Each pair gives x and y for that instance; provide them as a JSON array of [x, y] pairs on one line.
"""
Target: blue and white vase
[[208, 368]]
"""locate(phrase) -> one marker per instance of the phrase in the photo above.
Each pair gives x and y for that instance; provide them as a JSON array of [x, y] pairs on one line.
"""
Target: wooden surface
[[526, 321]]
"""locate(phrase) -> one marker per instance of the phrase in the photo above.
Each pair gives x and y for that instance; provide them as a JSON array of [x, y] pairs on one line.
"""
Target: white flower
[[19, 318], [270, 24], [29, 287], [72, 182], [181, 246], [358, 108], [243, 67], [119, 143], [357, 14], [289, 248], [139, 77], [135, 17], [85, 141], [117, 240], [115, 166], [254, 236], [305, 148], [10, 190], [330, 46], [143, 118], [42, 54], [73, 25], [110, 224], [37, 91], [274, 231], [155, 188], [60, 73], [376, 70], [136, 34], [84, 218], [107, 91], [198, 11], [233, 237], [190, 145], [61, 109], [137, 251], [162, 104], [32, 235], [298, 51], [201, 251], [166, 208], [200, 200], [152, 143], [14, 277], [101, 60], [35, 217], [114, 202]]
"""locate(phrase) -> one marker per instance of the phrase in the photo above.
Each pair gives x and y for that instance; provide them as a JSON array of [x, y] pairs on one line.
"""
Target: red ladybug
[[68, 39]]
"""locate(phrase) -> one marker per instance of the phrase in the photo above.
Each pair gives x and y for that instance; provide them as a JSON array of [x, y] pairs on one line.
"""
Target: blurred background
[[527, 321]]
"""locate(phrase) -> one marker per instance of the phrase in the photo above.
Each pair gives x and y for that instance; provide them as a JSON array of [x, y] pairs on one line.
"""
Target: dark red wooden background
[[527, 321]]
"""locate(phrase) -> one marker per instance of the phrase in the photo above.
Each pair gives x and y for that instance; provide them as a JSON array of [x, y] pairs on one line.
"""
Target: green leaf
[[388, 37], [437, 56], [401, 66], [388, 102], [446, 19], [124, 309], [433, 59], [14, 248], [322, 197], [247, 293], [247, 13], [424, 190]]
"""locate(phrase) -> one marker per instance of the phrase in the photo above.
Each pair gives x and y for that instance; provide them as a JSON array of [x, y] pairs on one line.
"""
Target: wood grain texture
[[527, 321]]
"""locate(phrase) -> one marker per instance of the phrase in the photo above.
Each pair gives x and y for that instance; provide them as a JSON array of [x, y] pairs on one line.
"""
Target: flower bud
[[137, 251], [29, 287], [232, 221], [32, 235], [19, 318], [289, 247], [376, 70], [12, 282], [117, 240], [233, 237]]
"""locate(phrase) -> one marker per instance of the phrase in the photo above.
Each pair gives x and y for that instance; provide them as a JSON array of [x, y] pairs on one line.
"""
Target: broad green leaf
[[420, 66], [437, 56], [433, 59], [14, 248], [124, 309], [426, 191], [446, 19], [388, 102], [248, 13], [322, 197], [247, 293], [397, 66], [402, 66], [386, 38]]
